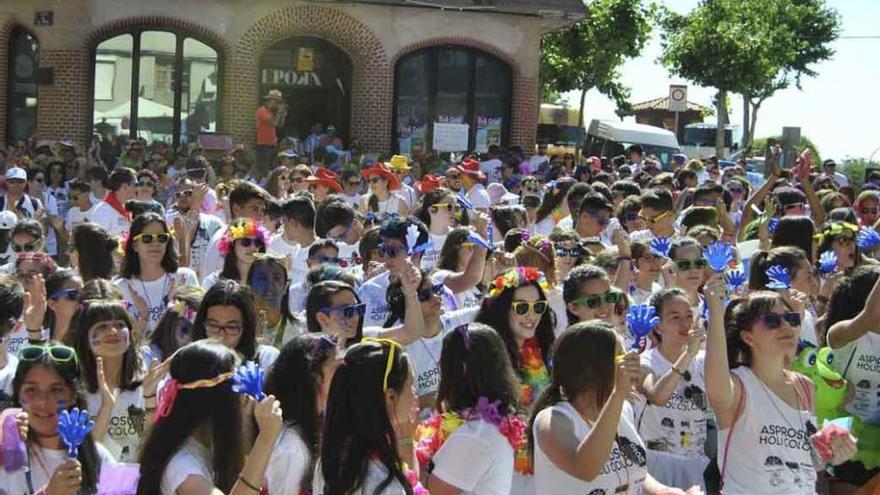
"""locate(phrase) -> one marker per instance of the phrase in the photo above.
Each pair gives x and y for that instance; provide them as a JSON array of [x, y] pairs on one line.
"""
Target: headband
[[516, 278], [168, 394], [248, 229]]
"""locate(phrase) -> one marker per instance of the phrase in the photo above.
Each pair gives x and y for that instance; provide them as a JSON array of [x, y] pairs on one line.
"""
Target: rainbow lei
[[414, 482], [516, 278], [433, 432], [536, 377], [242, 230]]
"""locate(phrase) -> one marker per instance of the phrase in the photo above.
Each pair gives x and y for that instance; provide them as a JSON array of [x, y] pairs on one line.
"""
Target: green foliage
[[760, 144], [854, 170], [589, 54]]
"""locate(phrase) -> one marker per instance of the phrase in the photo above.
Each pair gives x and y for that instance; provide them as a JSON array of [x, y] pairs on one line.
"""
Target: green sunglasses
[[593, 301], [56, 352], [685, 265]]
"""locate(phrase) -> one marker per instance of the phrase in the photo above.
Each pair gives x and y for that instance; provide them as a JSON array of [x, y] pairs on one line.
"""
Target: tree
[[804, 143], [589, 54]]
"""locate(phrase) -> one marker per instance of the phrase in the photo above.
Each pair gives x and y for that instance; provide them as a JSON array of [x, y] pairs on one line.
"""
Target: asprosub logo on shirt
[[869, 363], [625, 454], [784, 436], [428, 381]]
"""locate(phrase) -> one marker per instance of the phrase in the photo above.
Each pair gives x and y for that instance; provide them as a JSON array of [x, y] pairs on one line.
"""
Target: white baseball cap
[[7, 220], [16, 173]]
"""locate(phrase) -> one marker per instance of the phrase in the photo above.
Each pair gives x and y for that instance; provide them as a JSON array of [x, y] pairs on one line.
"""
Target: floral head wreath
[[516, 278], [540, 245], [835, 229], [242, 230]]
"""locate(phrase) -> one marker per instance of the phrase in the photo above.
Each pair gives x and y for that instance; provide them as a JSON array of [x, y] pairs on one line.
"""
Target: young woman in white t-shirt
[[113, 377], [149, 271], [229, 315], [300, 380], [46, 381], [382, 198], [581, 440], [479, 389], [764, 411], [241, 241], [460, 267], [369, 422], [673, 421], [440, 211], [196, 444], [62, 296]]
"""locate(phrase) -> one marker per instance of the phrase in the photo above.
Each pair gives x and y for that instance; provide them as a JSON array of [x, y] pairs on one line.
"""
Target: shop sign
[[291, 78]]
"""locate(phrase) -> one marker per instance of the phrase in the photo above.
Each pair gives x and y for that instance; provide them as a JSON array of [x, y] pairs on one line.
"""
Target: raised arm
[[843, 332], [657, 389], [719, 382], [755, 199], [473, 272], [413, 324]]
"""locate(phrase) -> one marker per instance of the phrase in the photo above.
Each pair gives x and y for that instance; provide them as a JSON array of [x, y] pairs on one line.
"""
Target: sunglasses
[[327, 259], [569, 253], [389, 363], [653, 220], [183, 194], [151, 238], [522, 308], [375, 180], [390, 251], [25, 248], [425, 294], [15, 181], [69, 294], [593, 301], [250, 241], [774, 320], [630, 216], [145, 183], [348, 310], [868, 211], [685, 265], [445, 206], [57, 353]]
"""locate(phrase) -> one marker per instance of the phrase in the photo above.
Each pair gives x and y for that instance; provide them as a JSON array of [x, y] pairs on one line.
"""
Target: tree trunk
[[581, 109], [747, 135], [721, 108], [755, 107]]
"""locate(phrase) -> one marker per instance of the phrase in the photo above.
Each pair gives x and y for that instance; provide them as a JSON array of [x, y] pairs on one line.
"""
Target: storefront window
[[22, 92], [451, 85], [157, 85]]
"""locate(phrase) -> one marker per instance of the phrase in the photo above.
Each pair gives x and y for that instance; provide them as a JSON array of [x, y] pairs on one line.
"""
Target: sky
[[837, 109]]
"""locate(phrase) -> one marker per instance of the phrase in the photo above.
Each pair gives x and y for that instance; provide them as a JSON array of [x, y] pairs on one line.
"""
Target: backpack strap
[[737, 413]]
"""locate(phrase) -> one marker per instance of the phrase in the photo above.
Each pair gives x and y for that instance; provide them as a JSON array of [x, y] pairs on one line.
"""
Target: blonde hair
[[538, 252]]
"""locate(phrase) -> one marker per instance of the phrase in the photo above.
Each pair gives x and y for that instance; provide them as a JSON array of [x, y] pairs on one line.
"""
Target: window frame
[[180, 36], [470, 113], [10, 86]]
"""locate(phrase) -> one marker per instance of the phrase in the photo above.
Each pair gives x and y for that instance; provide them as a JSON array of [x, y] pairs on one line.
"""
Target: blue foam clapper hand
[[248, 380], [660, 246], [736, 279], [779, 277], [73, 427], [868, 239], [14, 448], [479, 241], [719, 255], [773, 225], [641, 319], [464, 202], [827, 263]]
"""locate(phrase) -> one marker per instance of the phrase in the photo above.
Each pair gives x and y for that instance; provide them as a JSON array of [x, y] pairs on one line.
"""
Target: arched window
[[451, 85], [155, 84], [21, 118]]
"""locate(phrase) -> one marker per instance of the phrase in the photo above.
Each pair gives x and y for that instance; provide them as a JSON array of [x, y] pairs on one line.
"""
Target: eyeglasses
[[375, 180], [445, 206], [183, 194], [868, 211], [145, 183], [522, 308], [230, 329], [653, 220], [569, 253], [25, 248], [685, 265], [593, 301], [348, 310], [151, 238], [390, 251], [774, 320], [69, 294], [327, 259], [389, 363], [250, 241], [469, 245], [425, 294], [56, 352]]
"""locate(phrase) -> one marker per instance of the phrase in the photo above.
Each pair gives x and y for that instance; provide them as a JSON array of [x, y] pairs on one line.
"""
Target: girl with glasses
[[150, 271], [673, 422], [369, 422], [278, 184], [175, 328], [351, 187], [147, 185], [228, 314], [196, 445], [242, 240], [569, 252], [588, 295], [537, 251], [841, 238], [46, 382], [62, 296], [686, 270], [530, 198], [333, 308], [382, 197], [764, 412], [440, 210]]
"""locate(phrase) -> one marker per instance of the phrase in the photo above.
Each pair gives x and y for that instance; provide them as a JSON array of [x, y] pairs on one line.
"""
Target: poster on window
[[450, 137], [488, 132], [411, 139]]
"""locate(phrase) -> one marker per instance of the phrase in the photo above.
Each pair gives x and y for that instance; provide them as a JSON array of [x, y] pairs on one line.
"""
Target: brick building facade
[[382, 70]]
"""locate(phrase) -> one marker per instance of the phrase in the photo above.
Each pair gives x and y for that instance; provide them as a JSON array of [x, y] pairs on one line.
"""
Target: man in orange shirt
[[270, 114]]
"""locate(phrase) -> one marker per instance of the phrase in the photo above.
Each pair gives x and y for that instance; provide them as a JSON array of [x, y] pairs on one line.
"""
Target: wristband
[[405, 441], [248, 484], [151, 396], [624, 258]]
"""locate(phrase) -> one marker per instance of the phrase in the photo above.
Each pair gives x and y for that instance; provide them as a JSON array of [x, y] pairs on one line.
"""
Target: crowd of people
[[468, 328]]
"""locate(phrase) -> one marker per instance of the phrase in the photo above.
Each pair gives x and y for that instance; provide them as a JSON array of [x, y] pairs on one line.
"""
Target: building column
[[63, 105]]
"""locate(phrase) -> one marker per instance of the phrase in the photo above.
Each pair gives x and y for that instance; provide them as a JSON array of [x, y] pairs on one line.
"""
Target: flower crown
[[242, 230], [835, 229], [516, 278]]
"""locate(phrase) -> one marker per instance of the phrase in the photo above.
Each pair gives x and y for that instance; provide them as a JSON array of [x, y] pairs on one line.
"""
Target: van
[[609, 138]]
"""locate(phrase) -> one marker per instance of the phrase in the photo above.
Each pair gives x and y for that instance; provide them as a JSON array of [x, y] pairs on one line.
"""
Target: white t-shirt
[[7, 373], [109, 219], [545, 227], [193, 459], [207, 227], [770, 451], [479, 197], [288, 464], [432, 255], [19, 338], [212, 260], [43, 464], [51, 206], [390, 205], [295, 255], [127, 425], [470, 298], [75, 216], [859, 363], [477, 459], [372, 294], [155, 294], [376, 474], [679, 426], [266, 356], [624, 470]]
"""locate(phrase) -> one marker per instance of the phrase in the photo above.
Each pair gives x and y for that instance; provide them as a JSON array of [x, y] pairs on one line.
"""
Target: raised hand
[[108, 396], [268, 415], [641, 319], [628, 372], [154, 376], [719, 255], [248, 380], [660, 246], [35, 303], [779, 277], [410, 279], [73, 427], [827, 263], [736, 279]]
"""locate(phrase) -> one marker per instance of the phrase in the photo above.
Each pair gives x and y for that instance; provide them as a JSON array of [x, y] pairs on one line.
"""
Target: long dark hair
[[583, 360], [95, 247], [850, 294], [797, 232], [230, 261], [319, 297], [494, 312], [473, 364], [231, 293], [294, 381], [789, 257], [396, 300], [131, 263], [433, 197], [163, 335], [91, 313], [357, 427], [740, 316], [553, 198], [449, 254], [54, 282], [218, 407], [88, 456]]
